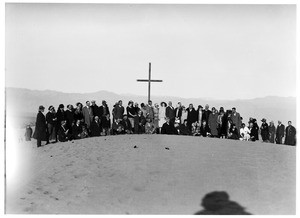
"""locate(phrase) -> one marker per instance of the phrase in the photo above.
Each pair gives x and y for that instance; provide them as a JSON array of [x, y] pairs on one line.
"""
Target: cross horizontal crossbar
[[146, 80]]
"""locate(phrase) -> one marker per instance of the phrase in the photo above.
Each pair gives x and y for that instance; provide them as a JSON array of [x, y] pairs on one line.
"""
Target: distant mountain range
[[25, 102]]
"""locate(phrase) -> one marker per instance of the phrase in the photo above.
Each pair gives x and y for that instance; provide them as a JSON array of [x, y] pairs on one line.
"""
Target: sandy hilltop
[[162, 175]]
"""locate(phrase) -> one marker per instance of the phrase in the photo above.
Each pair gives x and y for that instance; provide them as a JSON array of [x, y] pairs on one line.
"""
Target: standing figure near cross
[[149, 81]]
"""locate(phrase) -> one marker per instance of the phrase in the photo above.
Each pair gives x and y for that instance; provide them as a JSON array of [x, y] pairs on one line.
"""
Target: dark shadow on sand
[[218, 203]]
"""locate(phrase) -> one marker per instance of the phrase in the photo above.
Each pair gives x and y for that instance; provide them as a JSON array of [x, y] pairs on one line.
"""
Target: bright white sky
[[205, 51]]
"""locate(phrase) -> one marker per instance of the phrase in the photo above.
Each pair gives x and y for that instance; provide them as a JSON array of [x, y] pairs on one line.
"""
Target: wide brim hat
[[263, 120], [50, 107], [41, 107]]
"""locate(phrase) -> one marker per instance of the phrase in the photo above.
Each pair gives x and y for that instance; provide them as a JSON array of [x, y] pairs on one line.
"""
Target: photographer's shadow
[[218, 203]]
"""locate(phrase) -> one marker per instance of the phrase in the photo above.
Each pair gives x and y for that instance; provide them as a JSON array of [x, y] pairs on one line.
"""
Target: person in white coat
[[244, 133]]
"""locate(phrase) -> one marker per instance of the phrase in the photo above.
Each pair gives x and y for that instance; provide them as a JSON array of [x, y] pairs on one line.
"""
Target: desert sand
[[107, 175]]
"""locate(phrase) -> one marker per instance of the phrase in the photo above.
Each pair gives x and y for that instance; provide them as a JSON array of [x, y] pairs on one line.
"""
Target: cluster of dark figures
[[93, 120]]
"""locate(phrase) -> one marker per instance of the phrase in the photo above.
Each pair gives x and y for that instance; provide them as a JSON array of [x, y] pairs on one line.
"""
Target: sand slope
[[107, 175]]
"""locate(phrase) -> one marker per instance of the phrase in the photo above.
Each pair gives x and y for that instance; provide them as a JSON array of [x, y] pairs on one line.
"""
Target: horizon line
[[126, 94]]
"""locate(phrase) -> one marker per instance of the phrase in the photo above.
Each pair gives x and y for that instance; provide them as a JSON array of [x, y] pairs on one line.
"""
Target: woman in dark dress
[[78, 115], [40, 133], [264, 130]]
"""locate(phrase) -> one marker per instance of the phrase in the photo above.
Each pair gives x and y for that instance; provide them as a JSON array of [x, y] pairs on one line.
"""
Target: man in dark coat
[[236, 118], [103, 110], [290, 134], [170, 112], [96, 128], [51, 121], [40, 133], [252, 132], [70, 116], [95, 109], [279, 133], [104, 117], [168, 128], [191, 116], [264, 130], [256, 128], [233, 132], [178, 111], [206, 113]]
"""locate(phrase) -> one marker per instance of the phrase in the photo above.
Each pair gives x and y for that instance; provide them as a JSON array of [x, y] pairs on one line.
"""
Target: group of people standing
[[93, 120]]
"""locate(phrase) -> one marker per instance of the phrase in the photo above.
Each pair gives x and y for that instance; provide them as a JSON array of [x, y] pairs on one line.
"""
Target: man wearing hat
[[40, 133], [264, 130]]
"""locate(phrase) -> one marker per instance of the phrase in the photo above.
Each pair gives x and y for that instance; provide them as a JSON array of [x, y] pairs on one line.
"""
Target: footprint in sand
[[80, 175], [28, 209], [30, 192], [54, 198], [62, 188], [139, 189], [47, 193]]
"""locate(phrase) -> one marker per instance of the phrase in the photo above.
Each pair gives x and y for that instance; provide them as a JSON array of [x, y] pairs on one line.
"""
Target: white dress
[[162, 115]]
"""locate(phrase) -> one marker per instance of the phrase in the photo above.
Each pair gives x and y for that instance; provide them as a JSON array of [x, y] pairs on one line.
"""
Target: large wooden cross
[[149, 81]]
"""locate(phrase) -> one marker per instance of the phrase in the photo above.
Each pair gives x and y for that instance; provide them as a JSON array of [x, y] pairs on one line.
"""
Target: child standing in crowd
[[28, 133]]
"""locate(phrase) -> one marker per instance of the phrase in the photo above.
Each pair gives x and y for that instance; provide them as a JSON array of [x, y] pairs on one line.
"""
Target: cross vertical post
[[149, 80]]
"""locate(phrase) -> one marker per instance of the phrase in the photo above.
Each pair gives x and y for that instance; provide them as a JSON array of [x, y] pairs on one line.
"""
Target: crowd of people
[[92, 120]]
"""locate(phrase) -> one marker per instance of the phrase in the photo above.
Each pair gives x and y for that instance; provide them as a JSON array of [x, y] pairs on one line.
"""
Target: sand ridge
[[136, 174]]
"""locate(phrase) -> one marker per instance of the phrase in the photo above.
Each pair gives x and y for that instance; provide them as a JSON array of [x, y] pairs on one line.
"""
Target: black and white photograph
[[164, 108]]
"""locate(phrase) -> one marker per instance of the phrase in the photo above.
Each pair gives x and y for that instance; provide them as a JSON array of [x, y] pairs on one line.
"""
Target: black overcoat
[[40, 132]]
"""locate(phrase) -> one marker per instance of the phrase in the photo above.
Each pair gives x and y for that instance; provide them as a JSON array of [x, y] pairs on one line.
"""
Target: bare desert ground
[[162, 175]]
